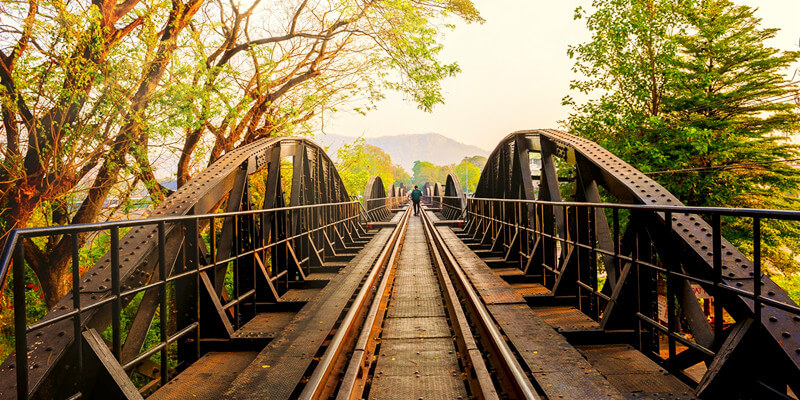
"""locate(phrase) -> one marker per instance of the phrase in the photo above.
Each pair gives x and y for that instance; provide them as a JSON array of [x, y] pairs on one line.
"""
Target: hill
[[405, 149]]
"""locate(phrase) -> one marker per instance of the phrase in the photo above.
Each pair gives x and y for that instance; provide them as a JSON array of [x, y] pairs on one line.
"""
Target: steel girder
[[375, 200], [53, 362], [399, 189], [761, 349], [453, 198]]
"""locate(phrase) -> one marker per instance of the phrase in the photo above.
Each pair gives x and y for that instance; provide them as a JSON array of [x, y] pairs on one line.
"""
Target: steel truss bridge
[[568, 275]]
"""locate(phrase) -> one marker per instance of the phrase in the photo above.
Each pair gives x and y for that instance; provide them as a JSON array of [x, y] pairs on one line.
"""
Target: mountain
[[405, 149]]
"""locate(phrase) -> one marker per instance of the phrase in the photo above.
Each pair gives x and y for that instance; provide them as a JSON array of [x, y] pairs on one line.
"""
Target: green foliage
[[468, 174], [478, 161], [358, 161], [413, 48], [686, 84], [425, 171]]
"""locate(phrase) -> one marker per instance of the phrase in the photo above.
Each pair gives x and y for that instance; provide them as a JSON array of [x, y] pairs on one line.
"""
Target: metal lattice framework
[[376, 202], [648, 245], [452, 200], [399, 189], [269, 247]]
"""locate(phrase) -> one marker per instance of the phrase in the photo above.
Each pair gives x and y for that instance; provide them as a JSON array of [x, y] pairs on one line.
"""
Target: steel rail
[[323, 373], [348, 390], [506, 357], [482, 385]]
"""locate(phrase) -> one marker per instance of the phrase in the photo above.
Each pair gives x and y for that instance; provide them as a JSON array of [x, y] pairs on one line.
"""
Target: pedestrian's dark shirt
[[416, 194]]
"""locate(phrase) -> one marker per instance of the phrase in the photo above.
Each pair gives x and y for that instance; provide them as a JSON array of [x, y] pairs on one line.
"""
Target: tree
[[326, 54], [627, 63], [426, 171], [478, 161], [90, 91], [468, 174], [357, 162], [687, 85], [74, 87], [718, 113]]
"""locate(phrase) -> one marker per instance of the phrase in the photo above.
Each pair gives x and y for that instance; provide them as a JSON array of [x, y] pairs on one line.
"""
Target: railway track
[[407, 334]]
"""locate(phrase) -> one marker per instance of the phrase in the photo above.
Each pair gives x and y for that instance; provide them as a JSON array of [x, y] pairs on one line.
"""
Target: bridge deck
[[416, 356]]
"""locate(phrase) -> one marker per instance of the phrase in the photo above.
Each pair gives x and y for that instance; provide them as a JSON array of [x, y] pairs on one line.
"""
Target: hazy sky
[[515, 71]]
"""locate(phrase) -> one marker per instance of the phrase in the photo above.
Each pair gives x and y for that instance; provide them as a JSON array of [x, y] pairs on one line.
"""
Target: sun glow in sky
[[515, 71]]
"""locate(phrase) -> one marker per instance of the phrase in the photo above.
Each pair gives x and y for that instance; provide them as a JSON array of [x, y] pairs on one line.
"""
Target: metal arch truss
[[451, 200], [270, 246], [651, 247], [399, 190], [377, 204]]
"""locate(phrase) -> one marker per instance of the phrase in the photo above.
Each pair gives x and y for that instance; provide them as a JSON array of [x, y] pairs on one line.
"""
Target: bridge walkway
[[416, 355]]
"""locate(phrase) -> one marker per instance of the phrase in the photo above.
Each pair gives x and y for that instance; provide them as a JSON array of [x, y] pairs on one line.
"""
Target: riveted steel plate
[[415, 328], [264, 325], [305, 294], [693, 234], [566, 318], [417, 368], [530, 289], [206, 379], [630, 371]]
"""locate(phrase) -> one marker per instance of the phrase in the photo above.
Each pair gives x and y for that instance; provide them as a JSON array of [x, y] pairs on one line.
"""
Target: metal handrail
[[727, 211], [718, 285], [13, 255]]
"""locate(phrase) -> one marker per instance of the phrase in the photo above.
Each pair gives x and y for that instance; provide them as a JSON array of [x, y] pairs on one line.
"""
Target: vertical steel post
[[116, 305], [20, 321], [162, 297], [716, 292], [757, 268], [670, 288], [76, 302]]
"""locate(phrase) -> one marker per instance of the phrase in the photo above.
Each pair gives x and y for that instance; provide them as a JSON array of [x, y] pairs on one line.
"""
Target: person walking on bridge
[[416, 195]]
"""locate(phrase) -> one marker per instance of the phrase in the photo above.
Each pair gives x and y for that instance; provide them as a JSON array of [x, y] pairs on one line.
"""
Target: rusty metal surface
[[417, 369], [632, 373], [206, 379], [138, 258], [566, 318], [278, 369], [415, 328], [264, 325], [555, 365], [695, 235], [492, 288], [321, 276], [305, 294], [417, 355], [530, 289], [559, 370]]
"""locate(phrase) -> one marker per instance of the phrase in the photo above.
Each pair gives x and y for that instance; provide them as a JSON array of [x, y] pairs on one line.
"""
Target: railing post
[[670, 287], [594, 301], [757, 268], [116, 305], [162, 295], [76, 302], [20, 320], [716, 291]]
